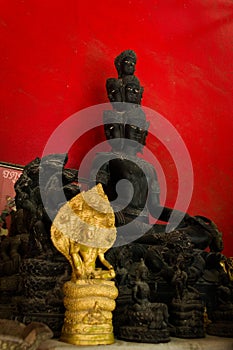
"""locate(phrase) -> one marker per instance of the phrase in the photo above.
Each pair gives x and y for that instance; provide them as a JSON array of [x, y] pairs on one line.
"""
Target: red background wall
[[56, 56]]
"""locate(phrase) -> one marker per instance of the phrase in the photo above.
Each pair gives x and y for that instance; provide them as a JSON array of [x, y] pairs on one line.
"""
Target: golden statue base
[[91, 339], [88, 318]]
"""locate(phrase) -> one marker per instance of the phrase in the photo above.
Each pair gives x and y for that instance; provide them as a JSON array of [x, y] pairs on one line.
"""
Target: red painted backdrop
[[56, 56]]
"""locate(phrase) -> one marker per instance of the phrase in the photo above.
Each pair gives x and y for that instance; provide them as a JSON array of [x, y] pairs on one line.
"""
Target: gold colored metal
[[88, 319], [83, 230]]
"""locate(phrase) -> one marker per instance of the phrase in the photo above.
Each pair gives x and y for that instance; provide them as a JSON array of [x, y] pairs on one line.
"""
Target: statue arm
[[76, 259], [164, 214], [156, 210], [103, 260]]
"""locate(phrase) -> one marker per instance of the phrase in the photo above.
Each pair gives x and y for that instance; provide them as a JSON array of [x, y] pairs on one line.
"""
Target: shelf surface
[[209, 342]]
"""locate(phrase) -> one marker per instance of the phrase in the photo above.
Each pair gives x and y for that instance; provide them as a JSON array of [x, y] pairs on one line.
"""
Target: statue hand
[[112, 272], [79, 273]]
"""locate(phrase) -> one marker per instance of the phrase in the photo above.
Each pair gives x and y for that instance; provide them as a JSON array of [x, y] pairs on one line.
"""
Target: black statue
[[126, 130], [32, 271], [41, 189], [144, 321], [182, 262], [187, 308]]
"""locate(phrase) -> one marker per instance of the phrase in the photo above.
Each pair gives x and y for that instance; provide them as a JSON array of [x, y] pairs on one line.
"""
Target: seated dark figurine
[[144, 321], [131, 125], [186, 309], [126, 131], [141, 290]]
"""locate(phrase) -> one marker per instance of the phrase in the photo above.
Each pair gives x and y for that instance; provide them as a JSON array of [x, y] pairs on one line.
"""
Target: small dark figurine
[[144, 321], [186, 309]]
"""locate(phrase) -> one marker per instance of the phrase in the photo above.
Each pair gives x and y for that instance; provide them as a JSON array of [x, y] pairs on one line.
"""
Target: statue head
[[132, 90], [125, 63], [142, 271], [114, 89]]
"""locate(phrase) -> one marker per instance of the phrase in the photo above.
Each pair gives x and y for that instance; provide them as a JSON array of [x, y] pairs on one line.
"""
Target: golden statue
[[83, 230]]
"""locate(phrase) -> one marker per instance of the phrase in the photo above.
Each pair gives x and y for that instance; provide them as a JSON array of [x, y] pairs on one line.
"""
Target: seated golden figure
[[84, 261], [83, 230]]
